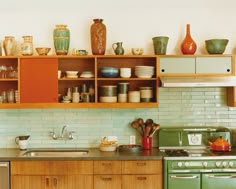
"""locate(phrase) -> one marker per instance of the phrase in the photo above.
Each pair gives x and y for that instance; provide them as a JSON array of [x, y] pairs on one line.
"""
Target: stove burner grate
[[174, 153]]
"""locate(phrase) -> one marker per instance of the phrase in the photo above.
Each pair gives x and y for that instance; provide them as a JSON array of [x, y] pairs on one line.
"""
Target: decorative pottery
[[160, 44], [188, 46], [9, 45], [98, 37], [61, 38], [216, 46], [118, 49], [27, 46]]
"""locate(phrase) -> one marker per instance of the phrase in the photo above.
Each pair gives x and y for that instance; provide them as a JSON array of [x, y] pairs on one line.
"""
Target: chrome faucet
[[64, 135], [63, 131]]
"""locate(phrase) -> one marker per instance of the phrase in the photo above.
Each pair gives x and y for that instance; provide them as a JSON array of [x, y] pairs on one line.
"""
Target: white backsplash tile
[[177, 107]]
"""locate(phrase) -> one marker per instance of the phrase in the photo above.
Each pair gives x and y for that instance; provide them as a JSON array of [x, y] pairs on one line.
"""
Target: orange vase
[[188, 46]]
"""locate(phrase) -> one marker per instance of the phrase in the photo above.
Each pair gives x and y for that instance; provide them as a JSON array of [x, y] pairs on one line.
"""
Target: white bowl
[[108, 148], [71, 73], [125, 72]]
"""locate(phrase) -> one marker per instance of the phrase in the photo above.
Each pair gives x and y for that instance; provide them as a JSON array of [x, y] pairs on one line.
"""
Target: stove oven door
[[219, 181], [177, 181]]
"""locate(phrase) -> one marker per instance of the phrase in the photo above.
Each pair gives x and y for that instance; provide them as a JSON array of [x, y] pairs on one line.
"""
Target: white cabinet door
[[213, 65], [177, 65]]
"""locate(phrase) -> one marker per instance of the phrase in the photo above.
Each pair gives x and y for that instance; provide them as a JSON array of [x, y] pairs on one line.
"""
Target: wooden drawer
[[141, 182], [142, 167], [51, 167], [107, 167], [107, 182]]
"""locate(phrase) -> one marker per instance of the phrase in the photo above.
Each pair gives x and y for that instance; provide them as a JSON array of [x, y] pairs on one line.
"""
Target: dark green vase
[[61, 37]]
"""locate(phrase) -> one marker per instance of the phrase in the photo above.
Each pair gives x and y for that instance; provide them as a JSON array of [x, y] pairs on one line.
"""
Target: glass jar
[[27, 46]]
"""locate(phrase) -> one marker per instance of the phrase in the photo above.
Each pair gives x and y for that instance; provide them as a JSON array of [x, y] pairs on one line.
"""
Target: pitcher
[[118, 49], [22, 141]]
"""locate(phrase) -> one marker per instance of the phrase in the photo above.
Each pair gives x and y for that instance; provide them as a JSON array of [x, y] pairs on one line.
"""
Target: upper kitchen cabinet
[[208, 65], [177, 65], [214, 65], [38, 80]]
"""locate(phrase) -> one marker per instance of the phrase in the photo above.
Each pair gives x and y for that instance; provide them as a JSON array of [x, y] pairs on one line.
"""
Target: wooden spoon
[[135, 125]]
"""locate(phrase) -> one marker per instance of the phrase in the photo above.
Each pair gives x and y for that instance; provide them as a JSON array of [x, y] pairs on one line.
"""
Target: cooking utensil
[[155, 128], [135, 125], [147, 130], [220, 144]]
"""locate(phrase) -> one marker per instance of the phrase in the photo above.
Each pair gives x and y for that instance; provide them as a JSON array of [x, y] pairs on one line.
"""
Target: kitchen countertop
[[7, 154]]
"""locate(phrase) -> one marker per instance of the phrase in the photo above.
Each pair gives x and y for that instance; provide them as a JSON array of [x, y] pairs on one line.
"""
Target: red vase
[[98, 37], [188, 46]]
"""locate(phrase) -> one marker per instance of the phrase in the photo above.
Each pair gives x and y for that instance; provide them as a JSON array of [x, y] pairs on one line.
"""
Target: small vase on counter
[[9, 45], [27, 46], [188, 46], [98, 37], [61, 38]]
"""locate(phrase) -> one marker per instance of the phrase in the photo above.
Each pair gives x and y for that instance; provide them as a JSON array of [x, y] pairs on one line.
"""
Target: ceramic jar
[[98, 37], [9, 45], [188, 46], [160, 44], [27, 46], [61, 38]]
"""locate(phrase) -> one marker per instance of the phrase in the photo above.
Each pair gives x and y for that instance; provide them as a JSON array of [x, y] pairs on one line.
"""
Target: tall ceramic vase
[[98, 37], [188, 46], [61, 38], [9, 45]]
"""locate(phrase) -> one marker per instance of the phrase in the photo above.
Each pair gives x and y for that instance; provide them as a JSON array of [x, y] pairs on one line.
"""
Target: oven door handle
[[184, 177], [180, 171], [221, 176]]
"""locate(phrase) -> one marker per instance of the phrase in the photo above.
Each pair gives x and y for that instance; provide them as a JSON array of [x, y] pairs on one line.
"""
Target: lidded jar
[[9, 45], [61, 38], [27, 46]]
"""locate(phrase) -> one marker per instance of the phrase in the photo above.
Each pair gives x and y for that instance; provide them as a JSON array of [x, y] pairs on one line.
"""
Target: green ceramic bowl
[[216, 46]]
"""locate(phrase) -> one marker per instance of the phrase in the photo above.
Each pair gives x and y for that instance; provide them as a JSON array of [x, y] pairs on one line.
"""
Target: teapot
[[220, 144]]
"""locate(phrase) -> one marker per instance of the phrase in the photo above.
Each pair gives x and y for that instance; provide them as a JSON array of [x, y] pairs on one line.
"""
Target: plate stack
[[144, 71], [134, 96]]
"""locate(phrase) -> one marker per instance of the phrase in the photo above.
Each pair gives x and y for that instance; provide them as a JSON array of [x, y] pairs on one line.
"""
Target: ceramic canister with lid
[[146, 94], [27, 46]]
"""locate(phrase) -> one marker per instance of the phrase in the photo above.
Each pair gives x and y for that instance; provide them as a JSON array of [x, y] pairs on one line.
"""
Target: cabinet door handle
[[55, 181], [47, 181], [106, 178], [142, 178]]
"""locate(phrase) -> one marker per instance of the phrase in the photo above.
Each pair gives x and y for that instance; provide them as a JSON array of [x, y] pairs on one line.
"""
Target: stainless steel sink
[[55, 153]]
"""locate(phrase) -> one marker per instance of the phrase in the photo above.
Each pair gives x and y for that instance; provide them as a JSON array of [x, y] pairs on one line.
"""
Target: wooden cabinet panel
[[107, 182], [79, 167], [38, 80], [141, 182], [79, 182], [177, 65], [107, 167], [142, 167], [28, 182], [213, 65]]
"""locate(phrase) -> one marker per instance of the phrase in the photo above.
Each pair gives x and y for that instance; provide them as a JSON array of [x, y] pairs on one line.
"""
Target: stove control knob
[[204, 164], [224, 164], [180, 164], [186, 164], [231, 164], [218, 164]]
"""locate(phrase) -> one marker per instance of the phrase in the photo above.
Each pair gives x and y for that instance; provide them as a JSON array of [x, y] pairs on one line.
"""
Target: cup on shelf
[[125, 72], [59, 74]]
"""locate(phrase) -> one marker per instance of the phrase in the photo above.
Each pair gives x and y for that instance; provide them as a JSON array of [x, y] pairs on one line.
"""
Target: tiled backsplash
[[177, 107]]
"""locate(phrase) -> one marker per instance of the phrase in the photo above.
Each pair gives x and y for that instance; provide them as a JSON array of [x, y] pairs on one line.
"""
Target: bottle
[[27, 46]]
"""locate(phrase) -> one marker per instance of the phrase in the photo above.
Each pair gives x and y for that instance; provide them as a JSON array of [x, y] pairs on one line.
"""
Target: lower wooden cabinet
[[86, 174]]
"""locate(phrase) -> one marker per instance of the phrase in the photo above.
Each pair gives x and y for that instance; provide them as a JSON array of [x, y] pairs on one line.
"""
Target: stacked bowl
[[123, 89], [134, 96], [108, 93], [146, 94], [144, 71]]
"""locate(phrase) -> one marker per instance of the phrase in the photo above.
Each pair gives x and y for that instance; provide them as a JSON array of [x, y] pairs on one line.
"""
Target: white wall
[[134, 22]]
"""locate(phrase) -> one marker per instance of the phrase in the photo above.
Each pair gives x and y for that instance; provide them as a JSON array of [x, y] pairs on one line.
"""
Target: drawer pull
[[47, 181], [55, 181], [106, 164], [106, 178], [141, 163], [142, 178]]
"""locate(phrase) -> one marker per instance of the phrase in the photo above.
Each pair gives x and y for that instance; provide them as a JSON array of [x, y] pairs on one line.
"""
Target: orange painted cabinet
[[38, 80]]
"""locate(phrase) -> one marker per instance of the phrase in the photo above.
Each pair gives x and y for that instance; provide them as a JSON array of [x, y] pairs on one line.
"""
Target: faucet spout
[[63, 130]]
